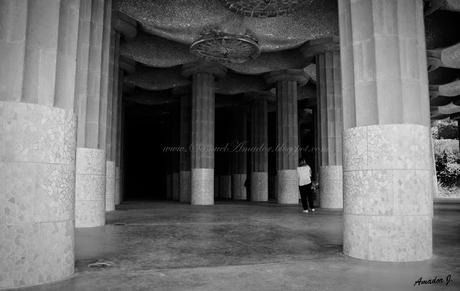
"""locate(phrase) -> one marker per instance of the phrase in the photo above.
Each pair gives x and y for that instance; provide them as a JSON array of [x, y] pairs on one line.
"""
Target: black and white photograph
[[229, 145]]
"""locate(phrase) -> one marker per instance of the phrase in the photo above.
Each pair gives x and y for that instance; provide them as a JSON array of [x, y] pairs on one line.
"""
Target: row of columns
[[59, 132]]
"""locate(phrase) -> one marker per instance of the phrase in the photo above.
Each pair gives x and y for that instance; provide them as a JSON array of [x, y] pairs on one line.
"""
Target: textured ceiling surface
[[166, 29], [183, 21]]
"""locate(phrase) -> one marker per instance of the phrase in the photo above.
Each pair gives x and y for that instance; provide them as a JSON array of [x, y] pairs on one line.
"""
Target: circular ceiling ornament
[[264, 8], [226, 48]]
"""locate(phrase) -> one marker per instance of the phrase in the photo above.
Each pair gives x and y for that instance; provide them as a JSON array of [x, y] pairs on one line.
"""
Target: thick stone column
[[118, 134], [185, 141], [287, 133], [107, 104], [259, 147], [330, 120], [37, 141], [388, 204], [239, 154], [202, 154], [91, 161]]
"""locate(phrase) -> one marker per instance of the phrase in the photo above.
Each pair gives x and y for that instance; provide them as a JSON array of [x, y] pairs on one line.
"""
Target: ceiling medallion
[[226, 48], [264, 8]]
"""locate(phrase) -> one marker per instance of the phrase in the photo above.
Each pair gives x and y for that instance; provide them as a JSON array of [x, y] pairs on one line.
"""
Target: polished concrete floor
[[244, 246]]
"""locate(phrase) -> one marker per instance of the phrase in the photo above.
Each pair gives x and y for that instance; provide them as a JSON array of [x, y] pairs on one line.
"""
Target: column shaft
[[93, 93], [329, 108], [259, 153], [37, 164], [202, 155], [287, 142], [91, 152], [185, 141], [387, 164]]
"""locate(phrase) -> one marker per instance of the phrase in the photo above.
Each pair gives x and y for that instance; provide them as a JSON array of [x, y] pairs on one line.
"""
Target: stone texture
[[90, 187], [37, 178], [185, 186], [110, 186], [331, 187], [202, 186], [383, 60], [288, 189], [259, 186], [238, 188], [387, 194]]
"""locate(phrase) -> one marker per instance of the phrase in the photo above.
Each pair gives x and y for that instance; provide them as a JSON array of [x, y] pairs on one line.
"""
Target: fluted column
[[109, 54], [185, 141], [239, 154], [203, 117], [287, 133], [330, 121], [259, 148], [386, 162], [91, 153], [37, 139]]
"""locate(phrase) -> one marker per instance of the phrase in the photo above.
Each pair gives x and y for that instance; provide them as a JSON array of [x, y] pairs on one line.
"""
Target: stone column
[[203, 108], [108, 105], [259, 147], [37, 139], [118, 139], [287, 133], [239, 154], [185, 141], [91, 158], [388, 206], [330, 120]]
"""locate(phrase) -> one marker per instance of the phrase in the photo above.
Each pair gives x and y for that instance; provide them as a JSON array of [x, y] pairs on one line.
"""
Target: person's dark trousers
[[310, 197], [306, 196]]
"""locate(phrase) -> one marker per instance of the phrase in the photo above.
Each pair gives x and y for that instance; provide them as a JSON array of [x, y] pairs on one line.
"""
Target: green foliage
[[447, 161], [445, 129]]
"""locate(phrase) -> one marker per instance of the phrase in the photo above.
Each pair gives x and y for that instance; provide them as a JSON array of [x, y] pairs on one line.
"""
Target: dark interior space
[[146, 133]]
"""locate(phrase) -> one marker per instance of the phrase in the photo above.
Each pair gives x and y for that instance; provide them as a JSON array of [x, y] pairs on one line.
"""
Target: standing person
[[304, 175]]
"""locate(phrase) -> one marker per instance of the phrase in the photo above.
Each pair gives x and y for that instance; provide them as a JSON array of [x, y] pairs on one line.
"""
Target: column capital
[[318, 46], [288, 75], [215, 69], [444, 57], [125, 25]]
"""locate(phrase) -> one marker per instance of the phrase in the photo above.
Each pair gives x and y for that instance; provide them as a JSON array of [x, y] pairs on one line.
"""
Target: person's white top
[[304, 174]]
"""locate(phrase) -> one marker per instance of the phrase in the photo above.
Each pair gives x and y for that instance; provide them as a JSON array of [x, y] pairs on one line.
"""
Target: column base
[[388, 203], [288, 187], [37, 188], [90, 188], [185, 186], [225, 187], [238, 188], [202, 187], [259, 186], [110, 186], [175, 186], [331, 187]]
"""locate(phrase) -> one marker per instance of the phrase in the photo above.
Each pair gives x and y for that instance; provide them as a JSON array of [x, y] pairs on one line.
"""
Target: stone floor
[[245, 246]]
